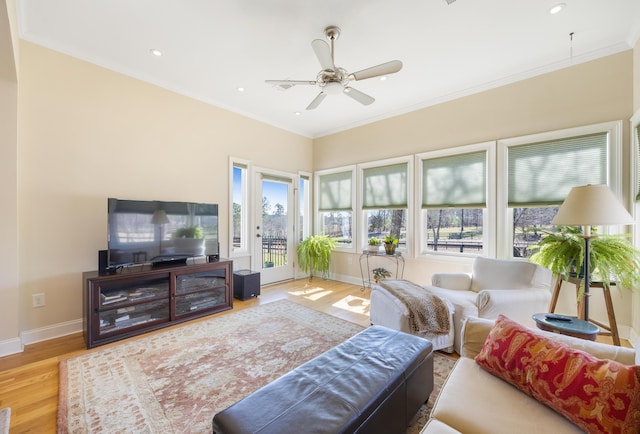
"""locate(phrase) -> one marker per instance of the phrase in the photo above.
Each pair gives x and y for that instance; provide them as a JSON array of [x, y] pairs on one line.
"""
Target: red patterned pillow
[[599, 396]]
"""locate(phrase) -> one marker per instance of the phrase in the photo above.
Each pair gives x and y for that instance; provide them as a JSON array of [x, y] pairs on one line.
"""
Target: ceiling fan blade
[[316, 101], [378, 70], [286, 84], [362, 98], [323, 53]]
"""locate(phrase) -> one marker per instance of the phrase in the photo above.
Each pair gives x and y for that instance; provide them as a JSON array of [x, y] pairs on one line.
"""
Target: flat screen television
[[158, 232]]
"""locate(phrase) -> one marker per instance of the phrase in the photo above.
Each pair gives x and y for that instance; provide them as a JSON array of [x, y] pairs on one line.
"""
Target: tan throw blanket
[[428, 314]]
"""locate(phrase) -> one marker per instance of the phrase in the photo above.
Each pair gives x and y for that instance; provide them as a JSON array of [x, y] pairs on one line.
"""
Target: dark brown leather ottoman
[[374, 382]]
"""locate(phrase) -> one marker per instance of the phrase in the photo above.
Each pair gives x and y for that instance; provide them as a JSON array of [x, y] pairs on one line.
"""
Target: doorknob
[[257, 235]]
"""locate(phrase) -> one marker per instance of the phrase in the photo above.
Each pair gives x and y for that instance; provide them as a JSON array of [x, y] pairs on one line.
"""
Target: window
[[304, 206], [239, 208], [635, 171], [454, 199], [386, 190], [335, 205], [540, 171]]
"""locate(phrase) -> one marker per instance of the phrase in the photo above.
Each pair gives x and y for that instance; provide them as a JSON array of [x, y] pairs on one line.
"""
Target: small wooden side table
[[611, 329], [571, 326]]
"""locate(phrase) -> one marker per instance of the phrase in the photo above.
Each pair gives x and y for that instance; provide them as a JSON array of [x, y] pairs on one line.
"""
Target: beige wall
[[594, 92], [87, 133], [9, 287], [583, 94]]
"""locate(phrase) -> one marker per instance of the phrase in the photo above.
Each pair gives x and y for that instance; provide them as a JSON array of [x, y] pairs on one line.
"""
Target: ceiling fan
[[333, 79]]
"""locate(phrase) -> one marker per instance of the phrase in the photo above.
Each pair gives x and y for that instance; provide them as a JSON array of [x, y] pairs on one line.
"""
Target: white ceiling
[[212, 47]]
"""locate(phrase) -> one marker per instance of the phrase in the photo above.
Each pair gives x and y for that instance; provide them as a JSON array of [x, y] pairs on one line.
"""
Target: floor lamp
[[587, 206], [159, 219]]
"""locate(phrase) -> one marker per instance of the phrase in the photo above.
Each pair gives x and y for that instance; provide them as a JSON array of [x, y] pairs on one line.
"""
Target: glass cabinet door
[[123, 305], [200, 291]]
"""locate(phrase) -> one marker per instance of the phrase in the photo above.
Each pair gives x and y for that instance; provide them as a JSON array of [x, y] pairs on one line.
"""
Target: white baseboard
[[10, 346], [624, 331], [51, 332], [347, 279]]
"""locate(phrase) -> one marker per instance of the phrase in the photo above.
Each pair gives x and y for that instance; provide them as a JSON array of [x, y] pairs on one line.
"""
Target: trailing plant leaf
[[611, 257], [314, 254], [380, 273]]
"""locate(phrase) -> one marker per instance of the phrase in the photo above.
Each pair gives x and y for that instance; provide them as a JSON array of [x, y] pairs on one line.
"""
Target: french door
[[274, 229]]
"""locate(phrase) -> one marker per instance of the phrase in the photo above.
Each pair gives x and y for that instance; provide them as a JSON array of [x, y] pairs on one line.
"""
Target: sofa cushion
[[434, 426], [489, 273], [473, 401], [597, 395]]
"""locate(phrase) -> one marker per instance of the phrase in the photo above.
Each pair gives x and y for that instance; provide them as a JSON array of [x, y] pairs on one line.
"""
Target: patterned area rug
[[442, 365], [176, 380]]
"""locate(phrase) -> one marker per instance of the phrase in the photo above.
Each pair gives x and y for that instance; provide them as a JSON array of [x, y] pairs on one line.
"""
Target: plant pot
[[390, 249], [374, 249]]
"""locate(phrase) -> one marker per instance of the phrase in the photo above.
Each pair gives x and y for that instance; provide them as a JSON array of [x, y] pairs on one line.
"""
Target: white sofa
[[474, 401], [514, 288]]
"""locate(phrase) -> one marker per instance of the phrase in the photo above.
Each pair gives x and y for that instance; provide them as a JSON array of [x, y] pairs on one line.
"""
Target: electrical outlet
[[38, 300]]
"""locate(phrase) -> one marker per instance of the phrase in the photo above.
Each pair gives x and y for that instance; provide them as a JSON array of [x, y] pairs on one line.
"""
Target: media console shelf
[[130, 303]]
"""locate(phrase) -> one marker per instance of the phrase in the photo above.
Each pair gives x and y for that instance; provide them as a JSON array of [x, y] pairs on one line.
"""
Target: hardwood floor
[[29, 380]]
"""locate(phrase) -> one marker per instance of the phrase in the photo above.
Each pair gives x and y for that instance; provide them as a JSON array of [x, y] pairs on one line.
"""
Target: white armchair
[[517, 289]]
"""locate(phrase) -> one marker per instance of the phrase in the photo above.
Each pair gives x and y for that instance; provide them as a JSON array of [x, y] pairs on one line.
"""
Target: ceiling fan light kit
[[332, 79]]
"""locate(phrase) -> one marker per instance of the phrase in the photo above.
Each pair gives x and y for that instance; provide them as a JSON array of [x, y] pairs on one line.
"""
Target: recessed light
[[383, 78], [155, 52], [297, 113], [240, 89], [557, 8]]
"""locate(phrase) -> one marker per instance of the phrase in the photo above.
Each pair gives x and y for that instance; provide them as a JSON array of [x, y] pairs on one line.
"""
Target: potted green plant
[[189, 232], [374, 245], [189, 239], [611, 257], [390, 243], [380, 273], [314, 254]]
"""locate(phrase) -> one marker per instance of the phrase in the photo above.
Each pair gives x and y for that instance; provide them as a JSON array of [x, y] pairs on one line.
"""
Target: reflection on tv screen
[[157, 231]]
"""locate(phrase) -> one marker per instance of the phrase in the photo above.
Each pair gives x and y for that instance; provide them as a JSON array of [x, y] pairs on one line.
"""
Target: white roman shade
[[543, 173], [385, 187], [335, 192], [458, 181]]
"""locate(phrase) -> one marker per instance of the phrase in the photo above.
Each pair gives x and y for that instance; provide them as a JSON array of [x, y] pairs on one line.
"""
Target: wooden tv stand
[[130, 303]]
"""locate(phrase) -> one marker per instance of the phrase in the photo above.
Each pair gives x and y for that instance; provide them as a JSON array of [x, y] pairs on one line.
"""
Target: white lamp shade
[[159, 217], [592, 205]]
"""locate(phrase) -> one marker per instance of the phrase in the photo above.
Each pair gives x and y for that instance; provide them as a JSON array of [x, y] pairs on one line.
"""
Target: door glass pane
[[239, 215], [274, 223], [305, 208]]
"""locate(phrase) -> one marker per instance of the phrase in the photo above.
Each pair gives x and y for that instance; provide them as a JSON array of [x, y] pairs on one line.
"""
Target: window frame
[[317, 225], [614, 172], [362, 236], [488, 216], [245, 247], [304, 210], [634, 174]]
